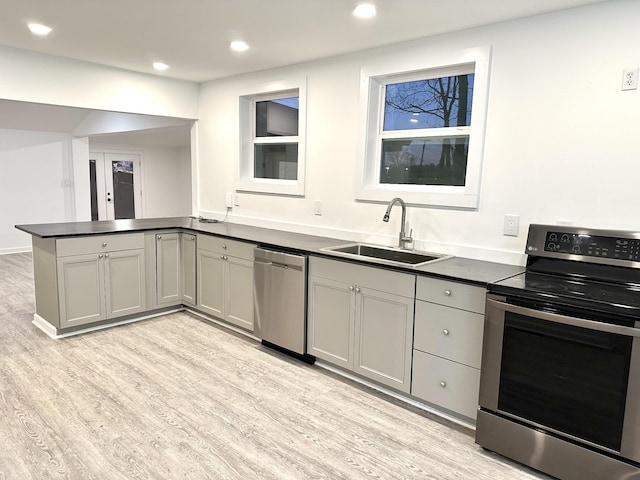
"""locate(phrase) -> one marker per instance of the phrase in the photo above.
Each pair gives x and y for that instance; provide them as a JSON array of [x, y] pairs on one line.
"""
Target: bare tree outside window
[[422, 157]]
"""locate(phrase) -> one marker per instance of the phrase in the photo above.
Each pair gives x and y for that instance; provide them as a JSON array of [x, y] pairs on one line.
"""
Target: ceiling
[[52, 118], [192, 36]]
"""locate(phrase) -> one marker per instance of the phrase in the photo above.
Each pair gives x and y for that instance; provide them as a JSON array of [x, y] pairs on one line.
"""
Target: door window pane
[[123, 191], [278, 161], [424, 161], [93, 186]]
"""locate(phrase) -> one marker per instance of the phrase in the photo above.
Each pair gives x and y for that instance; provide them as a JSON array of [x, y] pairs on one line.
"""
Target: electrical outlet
[[228, 200], [317, 207], [511, 224], [630, 79]]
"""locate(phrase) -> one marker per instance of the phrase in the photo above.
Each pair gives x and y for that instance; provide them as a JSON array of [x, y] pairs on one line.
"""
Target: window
[[424, 131], [275, 152], [272, 144]]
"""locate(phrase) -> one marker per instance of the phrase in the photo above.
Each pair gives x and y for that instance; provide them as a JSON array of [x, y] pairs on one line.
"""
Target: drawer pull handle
[[447, 293], [357, 289], [352, 288], [445, 332], [106, 255], [104, 244], [100, 256], [159, 237], [443, 384], [224, 246]]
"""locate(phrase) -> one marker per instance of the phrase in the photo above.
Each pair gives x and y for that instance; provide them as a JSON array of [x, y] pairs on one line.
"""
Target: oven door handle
[[565, 320]]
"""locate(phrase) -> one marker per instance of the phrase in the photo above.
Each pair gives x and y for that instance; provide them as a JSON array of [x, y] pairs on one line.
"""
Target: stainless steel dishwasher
[[280, 294]]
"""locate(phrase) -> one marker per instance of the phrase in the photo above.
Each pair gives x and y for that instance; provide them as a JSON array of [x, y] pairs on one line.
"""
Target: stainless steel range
[[560, 381]]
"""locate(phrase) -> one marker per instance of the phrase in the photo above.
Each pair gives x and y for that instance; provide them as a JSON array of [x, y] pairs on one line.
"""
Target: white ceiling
[[193, 35]]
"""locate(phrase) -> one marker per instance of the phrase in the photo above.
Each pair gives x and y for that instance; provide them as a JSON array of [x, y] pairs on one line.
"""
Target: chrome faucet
[[403, 240]]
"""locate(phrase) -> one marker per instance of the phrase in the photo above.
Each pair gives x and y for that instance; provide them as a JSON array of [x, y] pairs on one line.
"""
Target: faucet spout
[[403, 240]]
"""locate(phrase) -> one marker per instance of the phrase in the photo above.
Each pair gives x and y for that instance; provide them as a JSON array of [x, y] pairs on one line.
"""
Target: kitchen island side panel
[[45, 279]]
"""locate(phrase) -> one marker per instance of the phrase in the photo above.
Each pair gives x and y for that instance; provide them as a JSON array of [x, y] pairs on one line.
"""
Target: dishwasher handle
[[279, 259]]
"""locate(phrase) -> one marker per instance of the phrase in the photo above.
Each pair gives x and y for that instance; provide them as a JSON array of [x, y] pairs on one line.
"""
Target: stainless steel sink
[[386, 255]]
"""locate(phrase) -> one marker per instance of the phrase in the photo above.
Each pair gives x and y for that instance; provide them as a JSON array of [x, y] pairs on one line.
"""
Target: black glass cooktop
[[616, 298]]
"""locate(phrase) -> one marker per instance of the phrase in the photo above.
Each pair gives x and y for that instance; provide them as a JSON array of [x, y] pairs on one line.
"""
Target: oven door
[[557, 371]]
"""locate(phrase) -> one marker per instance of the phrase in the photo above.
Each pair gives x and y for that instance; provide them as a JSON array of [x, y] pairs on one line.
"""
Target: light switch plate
[[228, 200]]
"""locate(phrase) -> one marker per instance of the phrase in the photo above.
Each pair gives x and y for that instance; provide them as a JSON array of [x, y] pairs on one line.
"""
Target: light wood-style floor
[[176, 397]]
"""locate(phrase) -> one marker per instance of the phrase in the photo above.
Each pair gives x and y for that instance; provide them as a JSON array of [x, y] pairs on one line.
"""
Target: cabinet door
[[239, 292], [81, 289], [125, 282], [188, 260], [168, 277], [210, 283], [331, 321], [384, 338]]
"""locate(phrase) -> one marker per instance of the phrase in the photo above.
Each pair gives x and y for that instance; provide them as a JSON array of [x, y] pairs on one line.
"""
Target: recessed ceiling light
[[239, 46], [160, 66], [39, 29], [365, 10]]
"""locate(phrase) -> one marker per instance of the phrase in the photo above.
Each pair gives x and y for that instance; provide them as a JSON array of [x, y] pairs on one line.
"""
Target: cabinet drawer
[[397, 283], [445, 383], [226, 246], [452, 294], [98, 243], [448, 332]]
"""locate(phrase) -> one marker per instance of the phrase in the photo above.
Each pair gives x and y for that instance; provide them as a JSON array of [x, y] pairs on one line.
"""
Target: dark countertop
[[457, 268]]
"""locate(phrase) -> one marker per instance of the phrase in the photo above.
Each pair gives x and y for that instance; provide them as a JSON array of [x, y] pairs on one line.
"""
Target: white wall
[[165, 178], [34, 77], [560, 142], [167, 182], [39, 160]]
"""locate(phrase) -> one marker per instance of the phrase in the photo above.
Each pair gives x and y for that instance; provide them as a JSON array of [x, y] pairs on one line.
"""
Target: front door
[[114, 183]]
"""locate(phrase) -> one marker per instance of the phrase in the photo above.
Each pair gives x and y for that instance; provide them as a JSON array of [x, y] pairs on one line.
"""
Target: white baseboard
[[52, 332], [8, 251]]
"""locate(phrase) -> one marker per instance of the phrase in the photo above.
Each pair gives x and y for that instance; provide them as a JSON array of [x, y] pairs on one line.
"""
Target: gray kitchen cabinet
[[81, 289], [331, 319], [100, 278], [449, 323], [188, 271], [168, 269], [174, 269], [361, 319], [225, 279]]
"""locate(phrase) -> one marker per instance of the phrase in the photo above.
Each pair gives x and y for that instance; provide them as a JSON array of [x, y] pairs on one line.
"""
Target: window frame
[[373, 79], [245, 173]]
